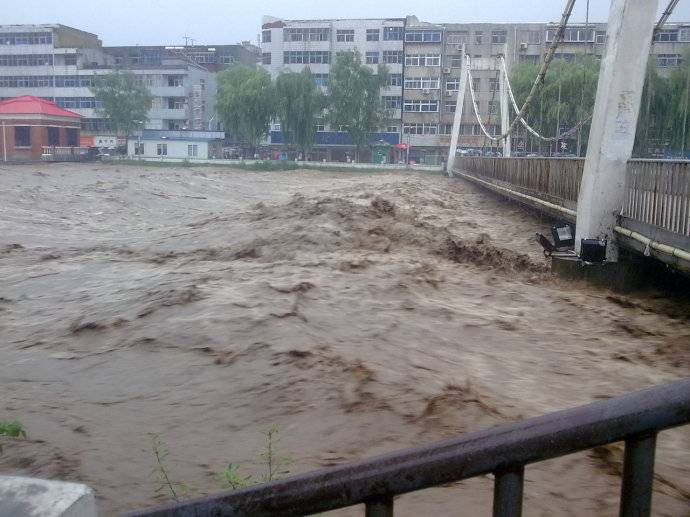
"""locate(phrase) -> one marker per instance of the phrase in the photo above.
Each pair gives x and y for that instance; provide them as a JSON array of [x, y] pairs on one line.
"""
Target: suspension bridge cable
[[533, 131], [665, 15]]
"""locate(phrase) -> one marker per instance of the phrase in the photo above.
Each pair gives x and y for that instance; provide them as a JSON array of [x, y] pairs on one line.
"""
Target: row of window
[[22, 136], [668, 60], [341, 35], [162, 149], [431, 83], [78, 102], [31, 81], [446, 129], [306, 57], [26, 59], [423, 60], [26, 38], [682, 34]]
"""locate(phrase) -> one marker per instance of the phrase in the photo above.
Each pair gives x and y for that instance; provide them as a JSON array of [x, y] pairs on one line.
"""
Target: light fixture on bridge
[[563, 236]]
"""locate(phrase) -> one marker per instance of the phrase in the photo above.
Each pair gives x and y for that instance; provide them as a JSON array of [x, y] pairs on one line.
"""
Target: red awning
[[401, 146]]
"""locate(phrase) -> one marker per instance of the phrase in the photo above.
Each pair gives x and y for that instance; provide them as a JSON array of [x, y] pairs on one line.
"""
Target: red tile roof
[[30, 105]]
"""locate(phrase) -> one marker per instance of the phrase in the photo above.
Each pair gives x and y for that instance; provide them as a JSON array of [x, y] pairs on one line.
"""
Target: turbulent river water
[[358, 313]]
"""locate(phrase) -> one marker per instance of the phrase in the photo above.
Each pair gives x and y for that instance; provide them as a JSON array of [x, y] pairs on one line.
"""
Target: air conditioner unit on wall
[[523, 46], [446, 70], [449, 93]]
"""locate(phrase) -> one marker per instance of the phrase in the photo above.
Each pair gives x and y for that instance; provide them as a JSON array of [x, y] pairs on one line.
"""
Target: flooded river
[[359, 313]]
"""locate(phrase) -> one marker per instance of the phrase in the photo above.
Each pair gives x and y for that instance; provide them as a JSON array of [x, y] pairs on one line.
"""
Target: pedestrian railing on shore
[[503, 451], [64, 154]]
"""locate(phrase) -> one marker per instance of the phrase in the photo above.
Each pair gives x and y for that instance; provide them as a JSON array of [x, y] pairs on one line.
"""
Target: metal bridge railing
[[504, 451]]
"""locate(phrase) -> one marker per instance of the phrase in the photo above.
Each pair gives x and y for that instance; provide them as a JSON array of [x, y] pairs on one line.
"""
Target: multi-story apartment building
[[292, 45], [427, 78], [62, 63]]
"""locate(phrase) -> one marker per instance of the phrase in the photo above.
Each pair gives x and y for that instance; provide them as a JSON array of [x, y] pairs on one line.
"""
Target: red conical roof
[[30, 105]]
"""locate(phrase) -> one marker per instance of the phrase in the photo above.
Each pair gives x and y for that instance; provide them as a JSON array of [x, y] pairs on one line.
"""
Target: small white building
[[153, 143]]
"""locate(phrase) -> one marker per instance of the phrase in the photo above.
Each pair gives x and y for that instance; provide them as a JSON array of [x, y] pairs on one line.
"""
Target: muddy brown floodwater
[[359, 313]]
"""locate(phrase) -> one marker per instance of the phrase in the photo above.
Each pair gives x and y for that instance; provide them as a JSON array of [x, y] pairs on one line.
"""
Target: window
[[445, 129], [392, 129], [33, 81], [450, 106], [26, 60], [139, 148], [455, 61], [668, 60], [373, 34], [78, 102], [493, 107], [162, 149], [26, 38], [476, 84], [393, 33], [70, 60], [394, 80], [453, 84], [684, 34], [345, 35], [53, 136], [572, 35], [176, 104], [601, 37], [320, 125], [478, 37], [392, 57], [227, 59], [421, 106], [192, 150], [532, 59], [320, 79], [266, 58], [420, 129], [372, 58], [534, 37], [306, 57], [175, 80], [413, 36], [457, 38], [423, 60], [493, 84], [498, 37], [72, 137], [422, 83], [666, 35], [266, 36], [311, 34], [392, 102]]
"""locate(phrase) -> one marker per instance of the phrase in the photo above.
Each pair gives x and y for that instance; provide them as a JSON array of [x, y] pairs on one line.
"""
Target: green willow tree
[[125, 100], [354, 98], [664, 121], [245, 102], [298, 104], [577, 82]]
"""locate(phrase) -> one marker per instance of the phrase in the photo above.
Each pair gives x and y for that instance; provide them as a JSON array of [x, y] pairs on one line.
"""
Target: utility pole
[[457, 119], [612, 134]]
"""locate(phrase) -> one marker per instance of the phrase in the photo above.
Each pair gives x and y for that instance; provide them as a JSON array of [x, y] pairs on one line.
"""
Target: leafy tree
[[126, 101], [298, 104], [354, 98], [577, 82], [664, 121], [245, 102]]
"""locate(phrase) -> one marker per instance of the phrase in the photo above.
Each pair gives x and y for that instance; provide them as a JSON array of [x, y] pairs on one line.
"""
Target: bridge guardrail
[[504, 451]]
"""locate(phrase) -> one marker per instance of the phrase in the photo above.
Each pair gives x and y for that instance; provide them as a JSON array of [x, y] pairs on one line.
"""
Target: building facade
[[61, 64], [184, 144]]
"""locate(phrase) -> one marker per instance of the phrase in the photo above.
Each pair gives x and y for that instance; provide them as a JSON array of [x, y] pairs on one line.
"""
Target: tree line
[[569, 92], [248, 100]]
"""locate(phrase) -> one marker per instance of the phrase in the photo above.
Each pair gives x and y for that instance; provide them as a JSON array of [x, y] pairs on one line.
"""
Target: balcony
[[168, 114]]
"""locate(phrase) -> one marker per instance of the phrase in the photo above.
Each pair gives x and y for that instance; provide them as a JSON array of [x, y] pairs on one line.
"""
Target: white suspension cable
[[476, 107], [524, 122]]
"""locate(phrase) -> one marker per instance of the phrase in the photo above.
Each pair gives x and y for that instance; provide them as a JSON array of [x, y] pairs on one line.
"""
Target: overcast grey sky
[[151, 22]]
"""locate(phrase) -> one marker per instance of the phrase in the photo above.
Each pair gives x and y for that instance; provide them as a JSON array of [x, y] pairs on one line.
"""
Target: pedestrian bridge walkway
[[654, 218]]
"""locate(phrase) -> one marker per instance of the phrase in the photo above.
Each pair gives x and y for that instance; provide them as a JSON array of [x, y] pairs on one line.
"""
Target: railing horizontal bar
[[638, 476], [454, 459], [508, 489]]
